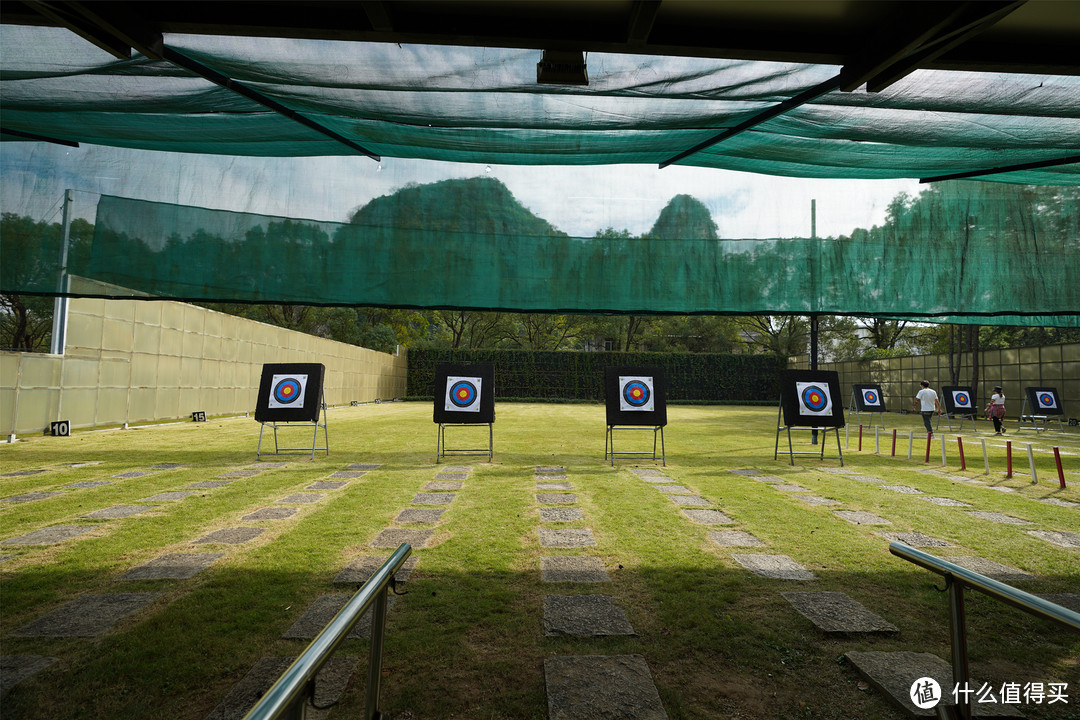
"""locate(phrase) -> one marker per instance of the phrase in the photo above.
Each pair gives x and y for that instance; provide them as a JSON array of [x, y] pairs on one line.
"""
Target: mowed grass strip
[[467, 640]]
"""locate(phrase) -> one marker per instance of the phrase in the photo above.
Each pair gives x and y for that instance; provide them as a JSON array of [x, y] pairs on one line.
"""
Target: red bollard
[[1061, 471], [963, 464], [928, 436], [860, 438], [894, 443], [1008, 458]]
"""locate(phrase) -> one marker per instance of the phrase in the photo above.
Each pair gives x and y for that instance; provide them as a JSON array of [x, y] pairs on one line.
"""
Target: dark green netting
[[969, 252]]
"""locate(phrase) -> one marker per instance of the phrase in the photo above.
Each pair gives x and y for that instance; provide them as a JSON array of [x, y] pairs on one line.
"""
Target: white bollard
[[986, 460], [1031, 462], [877, 440], [847, 436], [944, 462], [910, 442]]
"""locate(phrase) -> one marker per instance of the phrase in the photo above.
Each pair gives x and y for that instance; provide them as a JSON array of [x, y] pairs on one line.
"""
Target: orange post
[[1061, 471], [960, 443], [860, 437]]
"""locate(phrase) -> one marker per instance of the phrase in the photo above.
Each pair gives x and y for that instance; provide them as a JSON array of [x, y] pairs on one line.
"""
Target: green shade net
[[961, 252]]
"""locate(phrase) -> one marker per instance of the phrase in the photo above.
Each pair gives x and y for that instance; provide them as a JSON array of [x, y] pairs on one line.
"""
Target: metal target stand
[[278, 450], [1035, 422], [442, 451], [609, 443], [948, 418], [791, 450]]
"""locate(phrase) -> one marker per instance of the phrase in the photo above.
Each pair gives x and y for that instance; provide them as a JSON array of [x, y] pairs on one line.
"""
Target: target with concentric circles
[[636, 393], [1047, 400], [463, 394], [287, 391]]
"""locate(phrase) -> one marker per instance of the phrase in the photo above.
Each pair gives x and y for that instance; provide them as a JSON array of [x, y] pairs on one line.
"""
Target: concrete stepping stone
[[554, 486], [30, 497], [118, 511], [270, 513], [836, 471], [584, 616], [999, 518], [174, 566], [734, 538], [860, 517], [1057, 537], [444, 486], [86, 616], [549, 476], [458, 468], [561, 514], [836, 612], [16, 668], [23, 473], [946, 502], [566, 538], [231, 536], [419, 515], [239, 474], [895, 673], [708, 517], [131, 474], [1060, 503], [208, 484], [323, 610], [866, 479], [267, 465], [777, 567], [326, 485], [990, 568], [347, 474], [790, 488], [674, 489], [169, 496], [556, 498], [86, 463], [452, 476], [433, 498], [749, 472], [550, 470], [166, 466], [329, 685], [914, 539], [688, 500], [362, 568], [301, 498], [644, 472], [87, 484], [393, 537], [656, 479], [573, 569], [362, 466], [816, 500], [902, 489], [769, 479], [49, 535], [601, 687]]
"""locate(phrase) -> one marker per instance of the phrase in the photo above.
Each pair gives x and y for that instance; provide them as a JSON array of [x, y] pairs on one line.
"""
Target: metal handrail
[[956, 578], [288, 696]]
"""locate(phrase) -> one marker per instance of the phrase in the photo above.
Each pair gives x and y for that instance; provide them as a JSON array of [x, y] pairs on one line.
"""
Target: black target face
[[462, 393]]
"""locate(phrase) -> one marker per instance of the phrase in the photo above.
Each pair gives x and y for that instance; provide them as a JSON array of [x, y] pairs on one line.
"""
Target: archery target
[[462, 394], [871, 398], [814, 398], [1047, 400], [636, 393], [962, 400], [287, 391]]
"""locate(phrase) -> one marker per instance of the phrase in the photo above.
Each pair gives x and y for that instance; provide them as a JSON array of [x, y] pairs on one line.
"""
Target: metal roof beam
[[40, 138], [1067, 160]]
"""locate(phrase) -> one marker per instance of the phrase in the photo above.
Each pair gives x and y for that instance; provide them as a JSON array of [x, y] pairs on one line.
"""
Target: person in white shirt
[[926, 402], [996, 410]]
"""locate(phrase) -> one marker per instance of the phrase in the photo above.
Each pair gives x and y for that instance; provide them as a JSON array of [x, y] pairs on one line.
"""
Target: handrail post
[[378, 625], [958, 642]]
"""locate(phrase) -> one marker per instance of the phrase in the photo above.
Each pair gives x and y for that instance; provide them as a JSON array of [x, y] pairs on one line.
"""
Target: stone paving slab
[[561, 514], [451, 476], [573, 569], [270, 513], [893, 673], [433, 498], [329, 685], [166, 466], [816, 500], [208, 484], [835, 471], [601, 687], [23, 473], [1057, 537], [902, 489], [87, 463], [549, 476], [118, 511], [169, 496], [301, 498], [914, 539], [393, 537], [87, 484], [458, 468], [674, 489], [999, 518], [708, 517], [750, 472], [419, 515], [584, 616], [231, 536], [566, 538], [30, 497], [734, 538], [1060, 503], [87, 616], [791, 488], [944, 501], [656, 479], [990, 568], [688, 500], [49, 535], [16, 668], [777, 567], [174, 566], [239, 474], [867, 479], [550, 470], [644, 472], [769, 479], [362, 568], [323, 610], [554, 486], [326, 485], [362, 466], [267, 465], [131, 474], [836, 612], [1001, 488], [347, 474], [444, 486], [860, 517], [556, 498]]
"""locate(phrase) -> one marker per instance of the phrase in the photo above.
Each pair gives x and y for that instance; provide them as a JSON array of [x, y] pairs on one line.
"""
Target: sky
[[579, 200]]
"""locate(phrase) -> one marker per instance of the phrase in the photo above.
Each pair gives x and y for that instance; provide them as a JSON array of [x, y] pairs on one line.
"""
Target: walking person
[[996, 410], [926, 402]]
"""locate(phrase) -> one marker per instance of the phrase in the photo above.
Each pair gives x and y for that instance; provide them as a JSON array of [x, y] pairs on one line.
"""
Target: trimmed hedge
[[691, 377]]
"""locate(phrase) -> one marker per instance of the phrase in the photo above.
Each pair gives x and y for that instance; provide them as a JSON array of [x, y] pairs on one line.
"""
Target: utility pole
[[813, 315]]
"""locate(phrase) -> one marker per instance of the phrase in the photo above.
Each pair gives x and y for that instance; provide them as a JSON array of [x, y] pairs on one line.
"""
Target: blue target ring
[[1046, 400], [462, 393], [814, 398], [287, 391], [871, 397], [962, 399], [636, 393]]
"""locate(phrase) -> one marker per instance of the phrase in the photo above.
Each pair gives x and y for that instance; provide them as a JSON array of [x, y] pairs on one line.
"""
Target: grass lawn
[[467, 641]]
